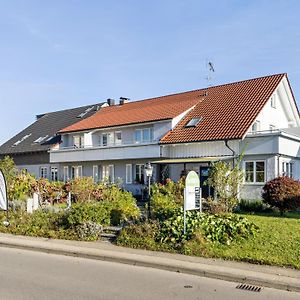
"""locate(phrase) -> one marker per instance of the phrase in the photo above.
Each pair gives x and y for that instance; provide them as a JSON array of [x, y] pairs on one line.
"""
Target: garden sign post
[[192, 194], [3, 196]]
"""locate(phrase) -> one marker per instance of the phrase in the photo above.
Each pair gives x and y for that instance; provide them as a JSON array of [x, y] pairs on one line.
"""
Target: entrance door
[[206, 190]]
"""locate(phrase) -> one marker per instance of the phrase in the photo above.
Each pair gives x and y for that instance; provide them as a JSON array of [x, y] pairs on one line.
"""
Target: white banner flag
[[3, 195]]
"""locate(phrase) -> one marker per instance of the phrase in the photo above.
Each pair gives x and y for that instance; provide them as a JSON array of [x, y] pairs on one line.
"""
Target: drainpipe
[[233, 153]]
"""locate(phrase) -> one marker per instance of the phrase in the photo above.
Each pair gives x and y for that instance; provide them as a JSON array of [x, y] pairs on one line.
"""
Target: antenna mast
[[210, 70]]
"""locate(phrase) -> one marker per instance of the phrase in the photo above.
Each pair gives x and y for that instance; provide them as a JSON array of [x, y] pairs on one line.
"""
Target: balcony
[[104, 153]]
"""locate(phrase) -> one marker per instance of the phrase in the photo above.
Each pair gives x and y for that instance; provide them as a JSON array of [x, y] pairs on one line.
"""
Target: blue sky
[[59, 54]]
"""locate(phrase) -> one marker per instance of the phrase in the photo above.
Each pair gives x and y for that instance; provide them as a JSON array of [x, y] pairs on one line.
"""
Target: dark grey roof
[[41, 135]]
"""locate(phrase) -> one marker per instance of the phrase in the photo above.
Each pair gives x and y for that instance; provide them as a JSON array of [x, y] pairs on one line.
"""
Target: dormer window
[[193, 122], [273, 101]]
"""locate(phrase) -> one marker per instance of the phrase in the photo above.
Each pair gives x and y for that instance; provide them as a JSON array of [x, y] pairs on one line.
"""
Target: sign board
[[192, 191], [3, 193], [192, 194]]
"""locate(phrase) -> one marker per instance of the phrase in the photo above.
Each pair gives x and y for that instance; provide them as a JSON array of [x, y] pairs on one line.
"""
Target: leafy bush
[[216, 228], [81, 213], [82, 189], [165, 199], [282, 193]]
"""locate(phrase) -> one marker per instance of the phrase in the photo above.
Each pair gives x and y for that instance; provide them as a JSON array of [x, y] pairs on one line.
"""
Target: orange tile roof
[[227, 111], [155, 109]]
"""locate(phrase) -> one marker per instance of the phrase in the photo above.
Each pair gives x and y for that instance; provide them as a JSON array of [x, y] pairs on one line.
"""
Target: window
[[96, 173], [66, 173], [78, 141], [43, 172], [287, 169], [76, 172], [108, 139], [54, 174], [143, 135], [108, 173], [273, 100], [272, 127], [254, 171], [128, 173], [140, 173], [21, 140], [118, 137], [256, 126], [40, 139], [193, 122]]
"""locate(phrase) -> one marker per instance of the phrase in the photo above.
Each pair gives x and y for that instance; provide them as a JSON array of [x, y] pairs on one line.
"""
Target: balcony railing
[[99, 146]]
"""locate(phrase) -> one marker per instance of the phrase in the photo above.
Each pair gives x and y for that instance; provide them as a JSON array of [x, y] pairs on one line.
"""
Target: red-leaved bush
[[283, 193]]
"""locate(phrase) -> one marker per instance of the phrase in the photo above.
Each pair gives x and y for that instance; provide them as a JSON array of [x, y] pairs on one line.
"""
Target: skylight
[[21, 140], [193, 122], [85, 112], [40, 139]]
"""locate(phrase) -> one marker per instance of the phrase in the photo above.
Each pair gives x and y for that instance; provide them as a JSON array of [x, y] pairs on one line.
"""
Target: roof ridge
[[205, 88], [69, 109]]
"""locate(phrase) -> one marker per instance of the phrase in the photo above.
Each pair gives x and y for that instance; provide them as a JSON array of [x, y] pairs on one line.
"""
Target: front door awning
[[191, 160]]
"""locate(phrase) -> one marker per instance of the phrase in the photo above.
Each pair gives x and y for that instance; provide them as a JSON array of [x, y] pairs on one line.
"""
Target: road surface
[[33, 275]]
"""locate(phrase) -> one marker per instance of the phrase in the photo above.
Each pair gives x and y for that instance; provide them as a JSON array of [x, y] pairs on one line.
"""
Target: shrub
[[82, 189], [253, 206], [81, 213], [282, 193], [215, 228], [165, 199]]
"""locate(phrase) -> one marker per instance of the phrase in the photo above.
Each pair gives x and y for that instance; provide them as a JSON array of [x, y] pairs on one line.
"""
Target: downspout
[[233, 152]]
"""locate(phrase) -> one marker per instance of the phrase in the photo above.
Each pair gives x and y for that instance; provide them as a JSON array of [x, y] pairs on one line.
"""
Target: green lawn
[[276, 243]]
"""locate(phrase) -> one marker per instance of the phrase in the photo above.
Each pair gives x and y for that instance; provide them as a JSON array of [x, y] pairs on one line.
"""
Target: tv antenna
[[210, 70]]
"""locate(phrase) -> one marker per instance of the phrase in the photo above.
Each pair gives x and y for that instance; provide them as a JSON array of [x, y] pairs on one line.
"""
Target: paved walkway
[[275, 277]]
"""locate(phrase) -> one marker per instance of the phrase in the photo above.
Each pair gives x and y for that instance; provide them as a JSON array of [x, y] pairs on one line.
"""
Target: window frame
[[78, 170], [107, 169], [66, 175], [128, 178], [287, 169], [140, 175], [141, 132], [80, 141], [44, 172], [96, 173], [54, 171], [255, 171]]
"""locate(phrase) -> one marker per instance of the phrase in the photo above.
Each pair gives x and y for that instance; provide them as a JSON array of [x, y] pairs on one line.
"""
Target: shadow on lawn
[[289, 215]]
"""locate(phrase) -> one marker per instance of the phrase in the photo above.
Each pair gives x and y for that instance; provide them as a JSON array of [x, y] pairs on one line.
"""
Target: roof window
[[21, 140], [40, 139], [85, 112], [193, 122]]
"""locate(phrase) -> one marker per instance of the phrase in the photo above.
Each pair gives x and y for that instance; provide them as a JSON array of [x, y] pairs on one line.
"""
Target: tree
[[226, 181]]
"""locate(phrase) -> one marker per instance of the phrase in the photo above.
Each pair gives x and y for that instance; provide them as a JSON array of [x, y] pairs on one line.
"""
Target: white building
[[185, 131]]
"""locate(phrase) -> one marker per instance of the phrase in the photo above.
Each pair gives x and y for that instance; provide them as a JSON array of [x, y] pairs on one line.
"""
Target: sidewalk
[[274, 277]]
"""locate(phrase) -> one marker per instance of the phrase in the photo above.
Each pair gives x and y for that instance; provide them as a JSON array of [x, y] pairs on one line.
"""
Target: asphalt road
[[34, 275]]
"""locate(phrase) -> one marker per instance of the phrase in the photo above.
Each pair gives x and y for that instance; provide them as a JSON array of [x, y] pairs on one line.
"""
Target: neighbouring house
[[30, 148], [188, 131]]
